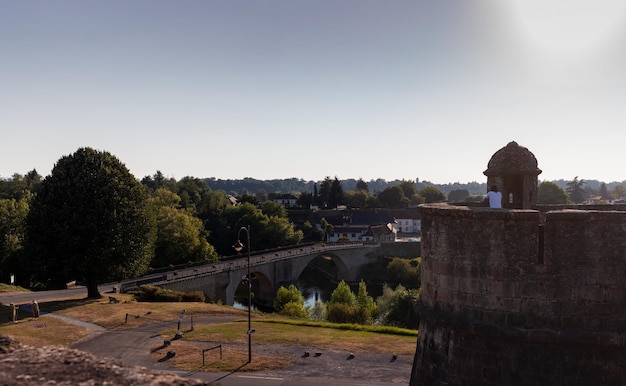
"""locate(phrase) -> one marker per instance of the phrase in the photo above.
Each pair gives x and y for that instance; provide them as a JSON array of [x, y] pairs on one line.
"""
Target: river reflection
[[313, 286]]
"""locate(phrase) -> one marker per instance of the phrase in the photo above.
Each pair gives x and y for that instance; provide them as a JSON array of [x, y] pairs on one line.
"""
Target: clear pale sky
[[308, 89]]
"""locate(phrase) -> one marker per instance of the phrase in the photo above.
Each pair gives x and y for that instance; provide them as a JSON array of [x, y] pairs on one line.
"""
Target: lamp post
[[238, 247]]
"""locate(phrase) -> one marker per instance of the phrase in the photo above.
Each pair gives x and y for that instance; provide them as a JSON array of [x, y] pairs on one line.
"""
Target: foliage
[[405, 272], [345, 307], [89, 221], [249, 198], [12, 233], [396, 307], [305, 199], [361, 185], [323, 196], [287, 295], [393, 197], [273, 209], [342, 294], [575, 190], [19, 186], [618, 192], [191, 191], [295, 310], [365, 304], [181, 237], [151, 293], [356, 198], [432, 194], [458, 195], [408, 188], [341, 313], [550, 193], [318, 311], [266, 232], [335, 197]]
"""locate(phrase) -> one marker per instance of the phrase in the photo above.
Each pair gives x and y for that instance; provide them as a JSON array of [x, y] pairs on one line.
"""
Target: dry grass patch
[[114, 315], [44, 331], [276, 333], [189, 357], [8, 289]]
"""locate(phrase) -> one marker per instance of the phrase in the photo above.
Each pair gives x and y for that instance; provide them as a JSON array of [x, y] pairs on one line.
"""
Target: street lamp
[[238, 247]]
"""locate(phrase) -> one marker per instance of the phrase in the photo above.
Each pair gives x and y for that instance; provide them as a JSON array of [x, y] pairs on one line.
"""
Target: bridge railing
[[257, 259]]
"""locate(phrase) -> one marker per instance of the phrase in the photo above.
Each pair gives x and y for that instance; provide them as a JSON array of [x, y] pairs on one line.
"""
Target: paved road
[[75, 292]]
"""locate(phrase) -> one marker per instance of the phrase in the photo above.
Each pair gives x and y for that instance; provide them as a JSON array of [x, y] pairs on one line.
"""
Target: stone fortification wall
[[518, 297]]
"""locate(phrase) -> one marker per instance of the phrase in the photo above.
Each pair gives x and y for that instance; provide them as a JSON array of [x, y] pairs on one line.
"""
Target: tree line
[[91, 220]]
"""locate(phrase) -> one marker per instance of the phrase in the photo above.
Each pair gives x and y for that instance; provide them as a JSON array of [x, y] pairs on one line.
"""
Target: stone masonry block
[[443, 266], [449, 282], [591, 293], [430, 277], [444, 295], [510, 304], [506, 289], [487, 302], [474, 286]]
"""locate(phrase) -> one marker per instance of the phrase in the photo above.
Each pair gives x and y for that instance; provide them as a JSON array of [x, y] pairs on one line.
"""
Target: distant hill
[[295, 185]]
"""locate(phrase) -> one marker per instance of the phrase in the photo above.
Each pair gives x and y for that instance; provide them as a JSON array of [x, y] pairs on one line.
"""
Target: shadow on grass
[[58, 305]]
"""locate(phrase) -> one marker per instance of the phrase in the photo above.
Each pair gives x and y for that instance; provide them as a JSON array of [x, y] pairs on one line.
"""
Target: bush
[[152, 293], [318, 312], [285, 296], [405, 272], [341, 313], [194, 296], [397, 307], [294, 310]]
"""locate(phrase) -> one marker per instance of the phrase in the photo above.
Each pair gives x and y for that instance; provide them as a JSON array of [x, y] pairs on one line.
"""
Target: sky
[[273, 89]]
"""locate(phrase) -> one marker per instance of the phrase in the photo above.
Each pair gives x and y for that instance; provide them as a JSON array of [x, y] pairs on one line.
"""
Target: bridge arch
[[219, 281]]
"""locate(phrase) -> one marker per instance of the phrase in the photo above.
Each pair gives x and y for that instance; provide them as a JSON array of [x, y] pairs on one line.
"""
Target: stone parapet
[[524, 289]]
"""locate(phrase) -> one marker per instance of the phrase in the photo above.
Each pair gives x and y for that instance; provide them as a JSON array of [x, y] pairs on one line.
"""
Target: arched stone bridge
[[219, 281]]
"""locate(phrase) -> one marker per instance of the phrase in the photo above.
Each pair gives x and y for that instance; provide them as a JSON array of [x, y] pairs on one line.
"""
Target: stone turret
[[513, 169], [529, 295]]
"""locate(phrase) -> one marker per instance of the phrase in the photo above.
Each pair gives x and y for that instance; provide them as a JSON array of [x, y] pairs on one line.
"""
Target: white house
[[287, 200]]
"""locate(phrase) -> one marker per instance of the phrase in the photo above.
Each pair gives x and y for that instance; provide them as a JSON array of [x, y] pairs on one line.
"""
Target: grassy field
[[7, 288], [215, 325]]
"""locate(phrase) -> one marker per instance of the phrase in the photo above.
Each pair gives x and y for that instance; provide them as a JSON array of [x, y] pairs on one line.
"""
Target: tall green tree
[[323, 196], [366, 306], [408, 188], [191, 190], [618, 192], [550, 193], [267, 231], [575, 190], [305, 199], [272, 208], [290, 302], [336, 194], [604, 192], [356, 198], [393, 197], [181, 236], [432, 194], [89, 221], [12, 233], [362, 185]]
